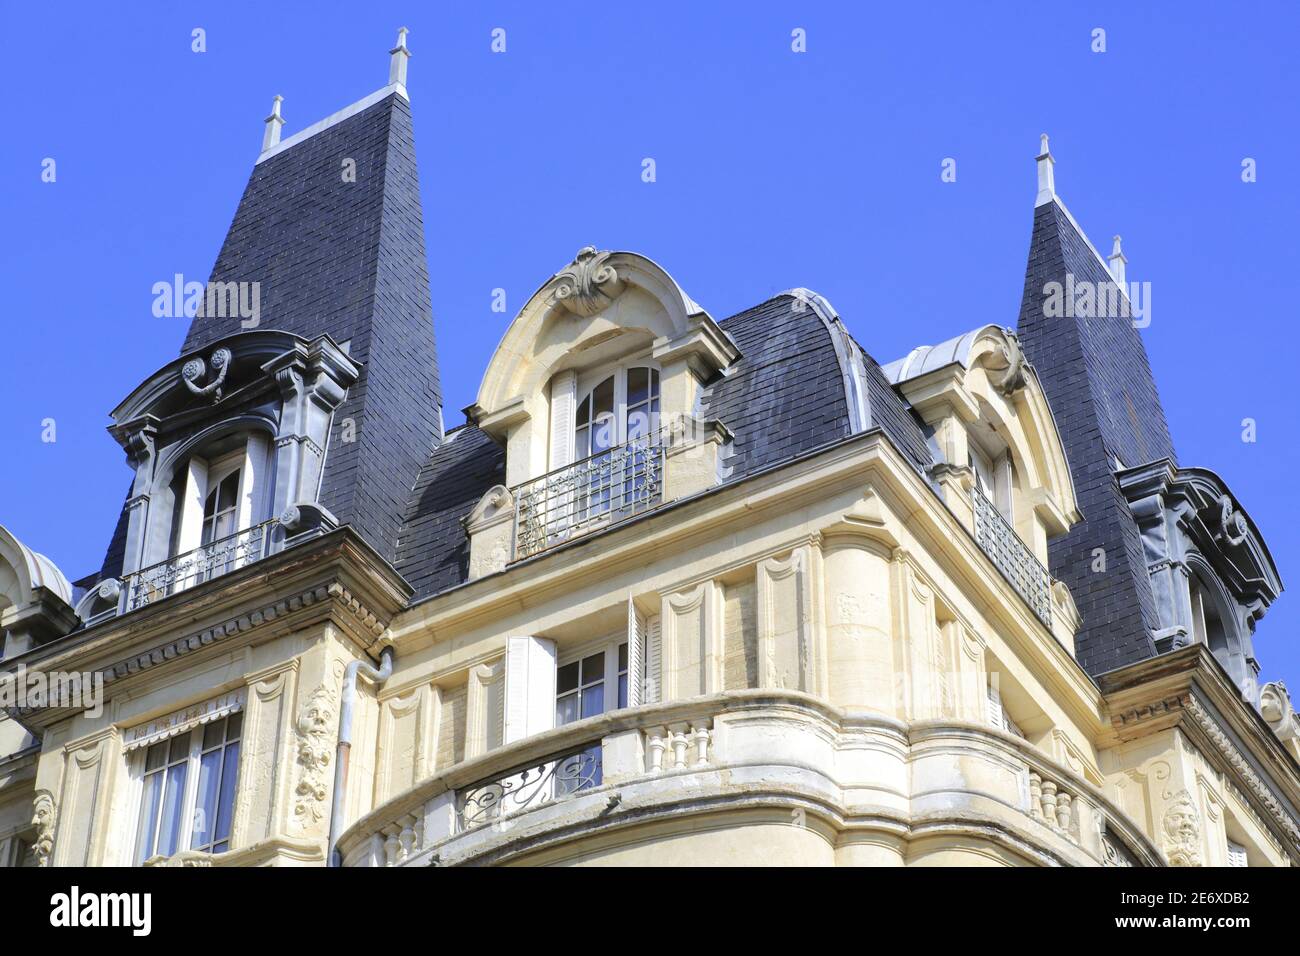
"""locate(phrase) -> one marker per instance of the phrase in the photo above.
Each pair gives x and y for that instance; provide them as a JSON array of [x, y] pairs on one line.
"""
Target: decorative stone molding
[[43, 818], [1009, 360], [589, 284], [1181, 826], [194, 369], [315, 728], [1258, 788], [305, 518], [1276, 709], [1232, 523], [490, 527]]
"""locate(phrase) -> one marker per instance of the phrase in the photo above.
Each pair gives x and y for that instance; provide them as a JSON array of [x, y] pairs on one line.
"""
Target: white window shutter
[[652, 680], [254, 480], [564, 401], [635, 655], [530, 687], [1237, 854], [995, 712], [191, 506]]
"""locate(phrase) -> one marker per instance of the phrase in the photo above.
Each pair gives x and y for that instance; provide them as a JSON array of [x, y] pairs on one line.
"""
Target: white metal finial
[[1117, 261], [271, 135], [1046, 177], [399, 56]]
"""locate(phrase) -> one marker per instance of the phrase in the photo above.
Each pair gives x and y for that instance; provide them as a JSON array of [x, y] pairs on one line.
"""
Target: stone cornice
[[1189, 690], [336, 577]]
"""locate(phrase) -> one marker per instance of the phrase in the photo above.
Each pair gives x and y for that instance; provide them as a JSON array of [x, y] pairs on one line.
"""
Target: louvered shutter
[[530, 687], [652, 682], [564, 399], [635, 655], [995, 712], [1236, 854]]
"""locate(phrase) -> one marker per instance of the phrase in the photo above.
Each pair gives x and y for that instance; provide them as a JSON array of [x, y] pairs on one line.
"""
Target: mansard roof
[[330, 228], [800, 384]]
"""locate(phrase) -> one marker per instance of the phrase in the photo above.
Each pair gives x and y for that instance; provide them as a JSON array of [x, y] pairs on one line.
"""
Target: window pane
[[148, 823], [226, 804], [622, 657], [654, 383], [593, 668], [593, 699], [229, 491], [210, 506], [214, 734], [566, 678], [622, 690], [584, 411], [604, 435], [639, 422], [602, 398], [155, 757], [234, 725], [173, 793], [638, 385], [205, 805], [566, 710], [180, 749], [582, 446]]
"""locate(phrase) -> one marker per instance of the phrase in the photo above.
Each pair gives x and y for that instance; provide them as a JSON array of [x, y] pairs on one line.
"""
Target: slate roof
[[345, 258], [784, 398], [1099, 384]]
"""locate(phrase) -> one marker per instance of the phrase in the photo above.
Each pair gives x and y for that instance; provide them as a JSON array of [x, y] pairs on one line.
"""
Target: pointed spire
[[271, 135], [397, 64], [1046, 179], [1117, 261]]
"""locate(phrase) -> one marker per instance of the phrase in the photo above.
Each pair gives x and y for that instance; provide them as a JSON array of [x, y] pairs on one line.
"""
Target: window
[[592, 684], [992, 477], [586, 687], [188, 790], [221, 510], [580, 689], [621, 408]]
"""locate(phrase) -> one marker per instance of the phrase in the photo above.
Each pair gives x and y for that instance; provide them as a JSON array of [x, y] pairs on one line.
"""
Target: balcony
[[590, 495], [185, 570], [608, 784], [1018, 565]]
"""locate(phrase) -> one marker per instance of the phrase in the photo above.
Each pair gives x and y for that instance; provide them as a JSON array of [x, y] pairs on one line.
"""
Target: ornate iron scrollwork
[[528, 787]]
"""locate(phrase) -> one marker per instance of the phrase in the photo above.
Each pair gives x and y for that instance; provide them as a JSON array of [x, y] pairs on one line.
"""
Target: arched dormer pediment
[[601, 309], [1212, 523], [35, 597], [224, 371], [980, 384]]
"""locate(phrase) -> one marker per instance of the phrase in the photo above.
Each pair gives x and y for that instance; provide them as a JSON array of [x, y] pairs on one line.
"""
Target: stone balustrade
[[802, 759], [676, 747], [1053, 804]]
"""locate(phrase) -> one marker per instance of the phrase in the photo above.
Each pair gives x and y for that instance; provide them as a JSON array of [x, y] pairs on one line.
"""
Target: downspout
[[346, 706]]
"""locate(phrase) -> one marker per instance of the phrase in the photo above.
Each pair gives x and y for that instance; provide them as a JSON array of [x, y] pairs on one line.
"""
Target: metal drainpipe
[[339, 798]]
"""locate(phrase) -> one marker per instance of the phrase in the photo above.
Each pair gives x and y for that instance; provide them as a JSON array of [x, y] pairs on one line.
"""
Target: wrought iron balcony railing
[[1012, 556], [604, 489], [183, 571], [524, 788]]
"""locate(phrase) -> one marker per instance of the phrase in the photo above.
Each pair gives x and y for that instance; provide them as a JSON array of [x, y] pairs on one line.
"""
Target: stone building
[[680, 590]]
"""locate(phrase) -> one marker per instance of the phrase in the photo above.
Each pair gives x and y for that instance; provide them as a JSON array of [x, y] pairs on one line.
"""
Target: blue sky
[[774, 169]]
